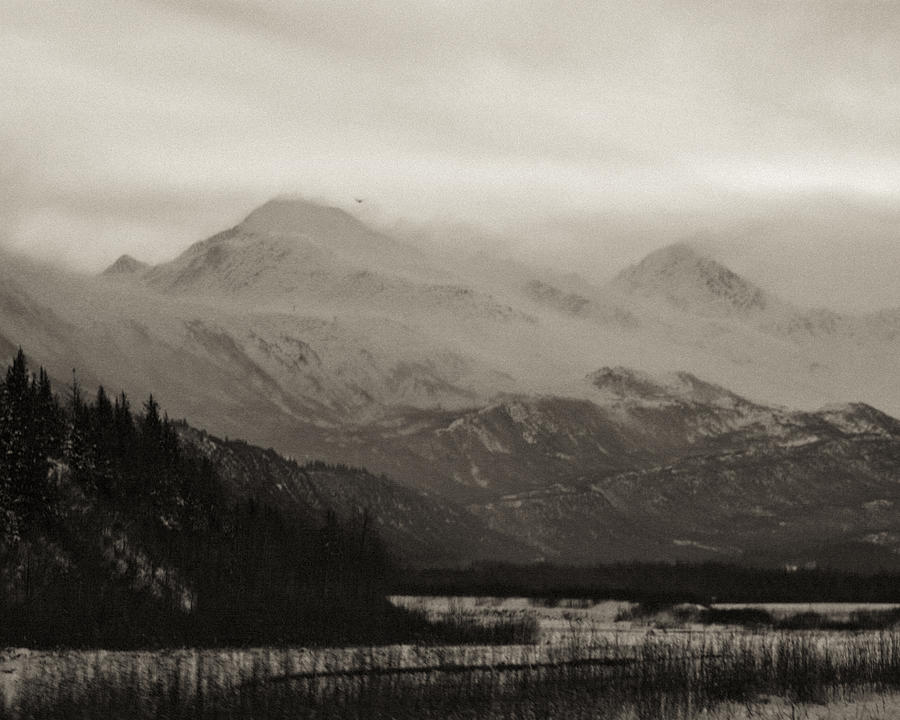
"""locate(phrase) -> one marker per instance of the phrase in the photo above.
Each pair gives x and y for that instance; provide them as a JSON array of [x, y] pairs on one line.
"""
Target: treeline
[[332, 467], [115, 533], [654, 583]]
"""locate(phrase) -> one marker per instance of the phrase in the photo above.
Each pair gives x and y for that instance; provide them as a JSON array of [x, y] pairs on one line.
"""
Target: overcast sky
[[140, 127]]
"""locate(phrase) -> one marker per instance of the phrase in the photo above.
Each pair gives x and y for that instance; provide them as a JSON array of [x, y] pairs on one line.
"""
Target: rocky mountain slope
[[757, 483]]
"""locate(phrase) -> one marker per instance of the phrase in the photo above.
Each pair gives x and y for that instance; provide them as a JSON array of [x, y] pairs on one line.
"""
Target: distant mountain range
[[517, 414]]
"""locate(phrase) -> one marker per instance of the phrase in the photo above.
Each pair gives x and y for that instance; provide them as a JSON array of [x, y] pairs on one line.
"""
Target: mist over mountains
[[674, 411]]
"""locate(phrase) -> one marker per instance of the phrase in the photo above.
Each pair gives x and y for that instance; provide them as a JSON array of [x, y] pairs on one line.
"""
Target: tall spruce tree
[[79, 453]]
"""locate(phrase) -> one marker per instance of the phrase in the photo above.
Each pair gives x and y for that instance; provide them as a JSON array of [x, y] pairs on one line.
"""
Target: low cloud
[[142, 126]]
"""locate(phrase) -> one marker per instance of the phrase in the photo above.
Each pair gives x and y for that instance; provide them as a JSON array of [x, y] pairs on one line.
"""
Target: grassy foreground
[[664, 677]]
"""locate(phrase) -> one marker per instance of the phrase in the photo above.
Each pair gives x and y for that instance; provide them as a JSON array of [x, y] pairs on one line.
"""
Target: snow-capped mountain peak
[[691, 281], [294, 216], [289, 245], [125, 265]]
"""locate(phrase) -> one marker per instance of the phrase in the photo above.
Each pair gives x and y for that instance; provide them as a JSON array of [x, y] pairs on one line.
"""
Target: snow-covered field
[[569, 630]]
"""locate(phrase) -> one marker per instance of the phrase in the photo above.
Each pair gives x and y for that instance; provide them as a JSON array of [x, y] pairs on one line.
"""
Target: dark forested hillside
[[418, 528], [116, 532]]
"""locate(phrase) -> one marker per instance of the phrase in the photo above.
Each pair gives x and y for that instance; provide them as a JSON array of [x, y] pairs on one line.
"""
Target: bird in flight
[[359, 200]]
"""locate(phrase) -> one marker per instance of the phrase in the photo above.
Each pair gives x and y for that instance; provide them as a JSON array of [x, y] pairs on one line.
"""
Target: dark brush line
[[447, 669]]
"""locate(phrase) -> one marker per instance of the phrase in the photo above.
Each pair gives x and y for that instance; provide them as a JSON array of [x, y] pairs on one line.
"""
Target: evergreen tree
[[151, 426], [79, 453], [49, 418], [102, 441], [123, 428]]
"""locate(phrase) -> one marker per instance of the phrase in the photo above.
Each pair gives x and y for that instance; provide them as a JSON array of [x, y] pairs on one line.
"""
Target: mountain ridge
[[510, 396], [528, 334]]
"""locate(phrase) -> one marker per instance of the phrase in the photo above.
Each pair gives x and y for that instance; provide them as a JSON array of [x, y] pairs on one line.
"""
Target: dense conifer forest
[[115, 533]]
